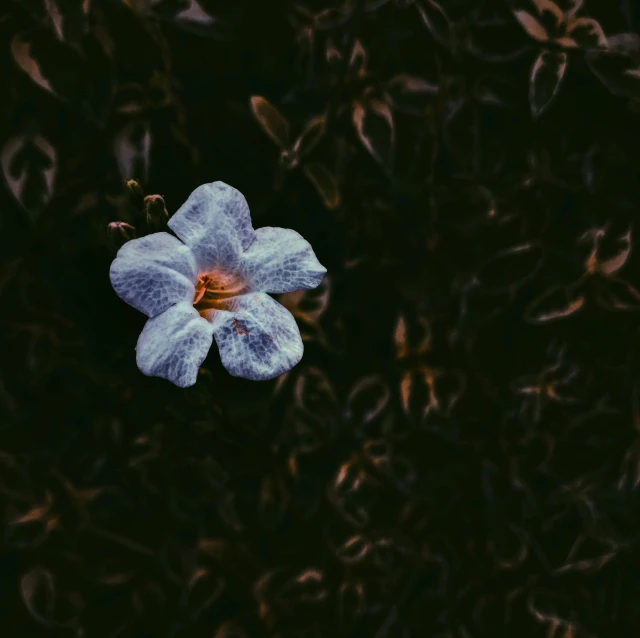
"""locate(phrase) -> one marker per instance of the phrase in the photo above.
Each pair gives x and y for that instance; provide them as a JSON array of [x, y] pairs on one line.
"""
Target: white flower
[[213, 284]]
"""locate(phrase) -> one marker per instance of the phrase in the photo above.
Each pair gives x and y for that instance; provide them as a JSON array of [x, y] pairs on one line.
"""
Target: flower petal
[[258, 338], [153, 273], [215, 223], [174, 344], [280, 260]]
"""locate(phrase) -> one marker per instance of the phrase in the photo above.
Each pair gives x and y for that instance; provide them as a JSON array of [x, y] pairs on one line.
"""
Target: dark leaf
[[436, 20], [411, 93], [332, 18], [358, 59], [191, 16], [69, 18], [366, 400], [618, 71], [310, 137], [271, 120], [426, 391], [558, 302], [546, 77], [325, 184], [45, 603], [376, 129], [618, 294], [30, 165], [132, 148], [510, 269], [586, 33]]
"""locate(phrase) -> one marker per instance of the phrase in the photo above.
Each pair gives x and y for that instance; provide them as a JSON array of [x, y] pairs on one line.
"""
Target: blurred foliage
[[457, 455]]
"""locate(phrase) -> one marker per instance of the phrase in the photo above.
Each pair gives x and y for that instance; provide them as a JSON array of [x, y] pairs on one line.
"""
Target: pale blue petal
[[281, 260], [216, 224], [174, 344], [258, 338], [153, 273]]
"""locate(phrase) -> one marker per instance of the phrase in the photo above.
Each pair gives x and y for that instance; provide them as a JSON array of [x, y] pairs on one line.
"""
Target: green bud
[[135, 194], [156, 213]]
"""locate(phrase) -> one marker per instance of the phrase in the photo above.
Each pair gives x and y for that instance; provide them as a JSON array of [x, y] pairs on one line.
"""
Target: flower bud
[[155, 212], [120, 233], [135, 194]]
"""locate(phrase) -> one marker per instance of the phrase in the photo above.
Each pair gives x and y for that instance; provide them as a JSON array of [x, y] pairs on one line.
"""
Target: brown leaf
[[586, 33], [546, 77], [332, 53], [21, 51], [558, 302], [271, 121], [410, 93], [531, 25], [325, 184], [354, 550], [413, 340], [366, 400], [549, 13], [69, 18], [310, 137], [358, 59], [376, 129]]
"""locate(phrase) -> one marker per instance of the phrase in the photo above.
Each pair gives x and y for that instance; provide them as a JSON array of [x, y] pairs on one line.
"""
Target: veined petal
[[281, 260], [153, 273], [174, 344], [258, 338], [216, 224]]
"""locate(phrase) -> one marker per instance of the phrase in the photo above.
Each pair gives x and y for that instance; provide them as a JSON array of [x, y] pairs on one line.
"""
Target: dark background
[[450, 458]]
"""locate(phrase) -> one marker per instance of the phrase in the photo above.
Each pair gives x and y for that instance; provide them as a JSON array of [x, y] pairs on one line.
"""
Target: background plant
[[457, 453]]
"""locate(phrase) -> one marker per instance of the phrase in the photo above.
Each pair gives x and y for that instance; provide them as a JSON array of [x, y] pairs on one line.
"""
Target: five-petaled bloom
[[213, 284]]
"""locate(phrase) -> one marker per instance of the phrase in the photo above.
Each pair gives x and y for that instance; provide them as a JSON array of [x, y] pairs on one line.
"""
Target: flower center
[[212, 289]]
